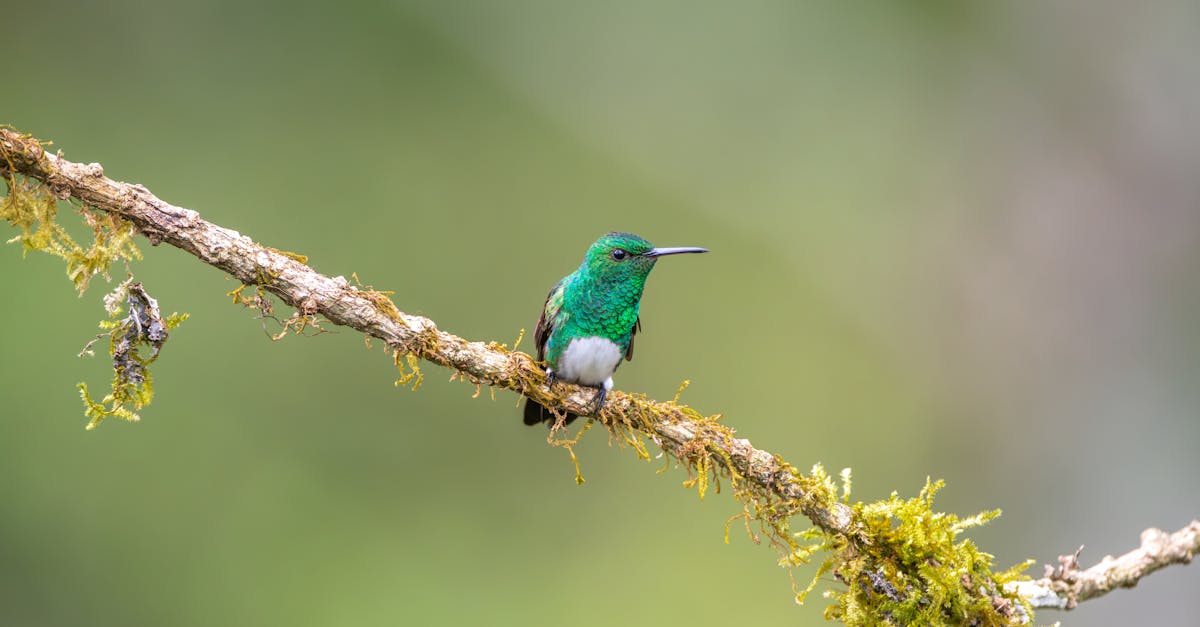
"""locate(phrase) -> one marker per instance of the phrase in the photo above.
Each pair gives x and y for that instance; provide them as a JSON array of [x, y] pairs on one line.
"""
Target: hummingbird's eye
[[619, 254]]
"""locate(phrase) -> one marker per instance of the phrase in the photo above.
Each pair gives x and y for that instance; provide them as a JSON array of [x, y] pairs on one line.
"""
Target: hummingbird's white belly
[[589, 361]]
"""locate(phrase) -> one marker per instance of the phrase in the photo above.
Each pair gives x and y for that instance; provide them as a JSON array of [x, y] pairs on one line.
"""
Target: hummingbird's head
[[624, 257]]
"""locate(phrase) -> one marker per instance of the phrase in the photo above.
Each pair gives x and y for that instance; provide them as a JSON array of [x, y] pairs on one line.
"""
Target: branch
[[1065, 586], [676, 427], [884, 552]]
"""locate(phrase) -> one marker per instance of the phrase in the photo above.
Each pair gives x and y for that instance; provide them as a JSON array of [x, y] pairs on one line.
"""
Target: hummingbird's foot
[[551, 378], [598, 402]]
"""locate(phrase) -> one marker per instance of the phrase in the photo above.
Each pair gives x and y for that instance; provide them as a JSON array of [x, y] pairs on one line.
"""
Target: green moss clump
[[32, 209], [135, 323], [916, 569]]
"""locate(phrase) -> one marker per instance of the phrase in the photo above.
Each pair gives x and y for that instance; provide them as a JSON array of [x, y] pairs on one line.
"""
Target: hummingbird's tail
[[535, 413]]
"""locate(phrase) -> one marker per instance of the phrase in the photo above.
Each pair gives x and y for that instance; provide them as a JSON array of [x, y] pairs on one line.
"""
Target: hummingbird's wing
[[637, 326], [535, 413], [545, 323]]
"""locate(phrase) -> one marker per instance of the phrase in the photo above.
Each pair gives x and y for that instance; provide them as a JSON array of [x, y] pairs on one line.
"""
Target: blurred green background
[[949, 239]]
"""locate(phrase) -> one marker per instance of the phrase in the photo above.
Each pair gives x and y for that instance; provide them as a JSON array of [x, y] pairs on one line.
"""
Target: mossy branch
[[900, 561]]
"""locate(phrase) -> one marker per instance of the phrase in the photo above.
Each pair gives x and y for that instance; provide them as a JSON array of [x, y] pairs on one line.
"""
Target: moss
[[382, 300], [240, 298], [554, 438], [135, 325], [412, 374], [289, 254], [32, 209], [917, 569], [299, 323]]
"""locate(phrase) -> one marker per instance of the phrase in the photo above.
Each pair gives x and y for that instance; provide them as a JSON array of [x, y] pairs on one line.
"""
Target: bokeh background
[[957, 240]]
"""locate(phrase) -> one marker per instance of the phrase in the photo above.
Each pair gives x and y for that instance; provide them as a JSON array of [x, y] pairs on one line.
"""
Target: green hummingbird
[[591, 315]]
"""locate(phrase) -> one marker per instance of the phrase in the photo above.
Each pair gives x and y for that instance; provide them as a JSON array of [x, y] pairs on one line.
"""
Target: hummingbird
[[591, 316]]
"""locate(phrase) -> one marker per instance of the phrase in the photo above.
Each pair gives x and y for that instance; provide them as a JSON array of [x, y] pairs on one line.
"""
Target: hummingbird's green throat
[[590, 316]]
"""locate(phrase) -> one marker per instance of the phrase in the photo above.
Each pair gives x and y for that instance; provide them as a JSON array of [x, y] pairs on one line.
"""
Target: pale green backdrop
[[949, 239]]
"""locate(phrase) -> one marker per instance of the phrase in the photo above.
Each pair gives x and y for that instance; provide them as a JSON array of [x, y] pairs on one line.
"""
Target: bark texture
[[1066, 585]]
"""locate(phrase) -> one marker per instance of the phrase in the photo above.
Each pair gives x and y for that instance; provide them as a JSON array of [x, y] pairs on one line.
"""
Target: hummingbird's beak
[[659, 252]]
